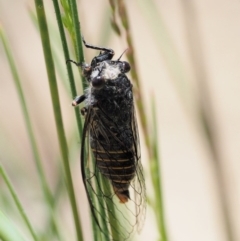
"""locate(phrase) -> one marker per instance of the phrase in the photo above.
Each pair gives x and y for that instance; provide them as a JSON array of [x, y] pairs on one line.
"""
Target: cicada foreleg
[[78, 99]]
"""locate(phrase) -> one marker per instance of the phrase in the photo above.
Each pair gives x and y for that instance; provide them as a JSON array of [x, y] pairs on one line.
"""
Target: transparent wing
[[138, 183], [115, 149]]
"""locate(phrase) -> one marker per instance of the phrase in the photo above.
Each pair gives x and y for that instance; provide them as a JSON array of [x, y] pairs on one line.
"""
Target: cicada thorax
[[113, 147]]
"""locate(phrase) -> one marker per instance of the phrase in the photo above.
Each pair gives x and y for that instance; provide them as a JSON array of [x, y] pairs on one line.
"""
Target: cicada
[[114, 180]]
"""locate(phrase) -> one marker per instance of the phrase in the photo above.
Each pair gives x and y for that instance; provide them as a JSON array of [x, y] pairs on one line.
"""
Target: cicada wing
[[102, 175], [87, 174], [138, 183], [98, 188]]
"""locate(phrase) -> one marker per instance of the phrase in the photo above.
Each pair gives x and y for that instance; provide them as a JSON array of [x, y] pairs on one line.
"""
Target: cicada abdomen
[[112, 139], [111, 126]]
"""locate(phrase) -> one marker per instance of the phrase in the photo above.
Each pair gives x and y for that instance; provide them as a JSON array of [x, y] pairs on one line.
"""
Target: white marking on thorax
[[111, 71]]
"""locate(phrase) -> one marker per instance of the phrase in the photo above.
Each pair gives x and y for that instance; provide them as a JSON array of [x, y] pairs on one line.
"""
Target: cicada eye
[[125, 67], [98, 82]]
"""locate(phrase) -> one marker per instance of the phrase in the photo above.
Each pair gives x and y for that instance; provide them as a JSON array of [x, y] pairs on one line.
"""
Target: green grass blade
[[77, 32], [74, 27], [57, 111], [38, 162], [67, 57], [18, 204], [156, 179], [57, 55], [8, 231], [26, 116]]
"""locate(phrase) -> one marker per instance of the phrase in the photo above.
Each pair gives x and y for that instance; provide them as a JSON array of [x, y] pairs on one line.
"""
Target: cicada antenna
[[122, 54]]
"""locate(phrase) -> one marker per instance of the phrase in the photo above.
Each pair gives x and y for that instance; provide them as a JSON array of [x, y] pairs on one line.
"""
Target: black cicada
[[114, 181]]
